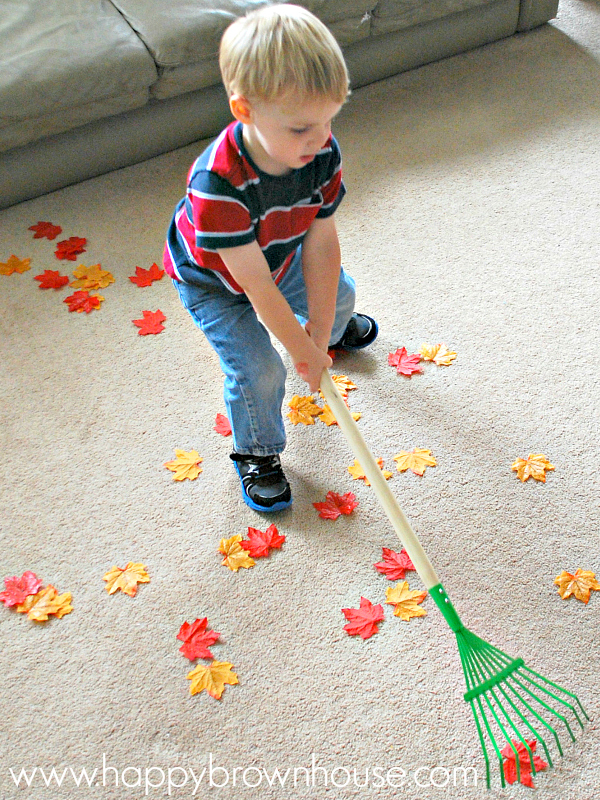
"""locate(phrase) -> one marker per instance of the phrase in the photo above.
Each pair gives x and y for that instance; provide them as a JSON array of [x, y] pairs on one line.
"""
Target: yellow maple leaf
[[14, 264], [357, 471], [406, 601], [212, 678], [438, 353], [327, 417], [185, 465], [417, 461], [303, 409], [579, 584], [235, 555], [126, 579], [343, 383], [93, 277], [534, 466], [47, 601]]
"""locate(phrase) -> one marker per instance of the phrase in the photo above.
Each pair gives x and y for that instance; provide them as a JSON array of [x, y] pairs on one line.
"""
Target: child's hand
[[311, 371]]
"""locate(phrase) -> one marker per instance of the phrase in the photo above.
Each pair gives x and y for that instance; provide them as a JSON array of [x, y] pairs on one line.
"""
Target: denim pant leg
[[293, 288], [255, 375]]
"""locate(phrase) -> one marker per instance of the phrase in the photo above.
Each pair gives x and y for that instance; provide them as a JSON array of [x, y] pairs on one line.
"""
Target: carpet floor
[[471, 219]]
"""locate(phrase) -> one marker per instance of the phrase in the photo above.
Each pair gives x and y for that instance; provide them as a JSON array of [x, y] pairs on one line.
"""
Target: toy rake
[[510, 702]]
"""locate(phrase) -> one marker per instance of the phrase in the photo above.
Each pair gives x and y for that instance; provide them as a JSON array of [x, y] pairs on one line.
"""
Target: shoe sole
[[280, 506]]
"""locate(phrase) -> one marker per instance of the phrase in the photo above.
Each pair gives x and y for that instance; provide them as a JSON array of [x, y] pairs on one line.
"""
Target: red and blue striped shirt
[[231, 202]]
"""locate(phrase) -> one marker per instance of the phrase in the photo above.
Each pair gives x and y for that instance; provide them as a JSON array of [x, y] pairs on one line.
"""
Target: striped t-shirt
[[231, 202]]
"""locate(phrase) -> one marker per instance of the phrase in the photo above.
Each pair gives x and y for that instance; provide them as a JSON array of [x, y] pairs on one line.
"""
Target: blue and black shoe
[[264, 485], [361, 331]]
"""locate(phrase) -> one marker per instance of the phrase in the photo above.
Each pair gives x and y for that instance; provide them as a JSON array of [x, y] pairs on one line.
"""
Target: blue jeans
[[255, 375]]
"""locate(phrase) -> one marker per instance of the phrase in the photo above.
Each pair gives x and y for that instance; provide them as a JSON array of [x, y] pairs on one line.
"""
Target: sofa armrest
[[536, 12]]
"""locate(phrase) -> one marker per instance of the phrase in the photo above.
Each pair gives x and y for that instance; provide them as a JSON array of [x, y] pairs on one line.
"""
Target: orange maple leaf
[[235, 555], [93, 277], [51, 279], [45, 230], [534, 466], [212, 678], [580, 584], [405, 601], [14, 264], [417, 461], [126, 579], [303, 409], [82, 300], [185, 465], [47, 601], [145, 277], [357, 471], [343, 383], [438, 353]]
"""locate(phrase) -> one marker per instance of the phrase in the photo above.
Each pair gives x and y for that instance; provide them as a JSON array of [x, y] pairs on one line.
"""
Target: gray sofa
[[88, 86]]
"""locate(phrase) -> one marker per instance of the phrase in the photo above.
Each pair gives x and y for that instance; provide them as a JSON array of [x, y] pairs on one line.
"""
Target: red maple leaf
[[45, 229], [510, 762], [336, 504], [81, 301], [17, 589], [258, 543], [151, 323], [222, 425], [394, 564], [144, 277], [363, 621], [405, 364], [69, 249], [196, 639], [52, 279]]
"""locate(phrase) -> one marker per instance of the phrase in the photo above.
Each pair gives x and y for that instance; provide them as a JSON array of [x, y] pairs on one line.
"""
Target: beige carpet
[[472, 219]]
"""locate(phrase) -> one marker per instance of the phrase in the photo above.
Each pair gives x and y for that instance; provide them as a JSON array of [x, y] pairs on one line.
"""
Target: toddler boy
[[255, 235]]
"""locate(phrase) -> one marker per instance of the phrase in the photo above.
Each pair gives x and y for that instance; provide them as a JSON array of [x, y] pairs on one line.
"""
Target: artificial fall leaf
[[303, 410], [39, 606], [394, 565], [81, 301], [126, 579], [212, 678], [18, 589], [69, 249], [580, 584], [144, 277], [510, 762], [343, 383], [534, 466], [417, 461], [327, 417], [152, 322], [185, 465], [405, 364], [45, 230], [357, 471], [93, 277], [336, 504], [258, 544], [235, 555], [438, 353], [363, 621], [51, 279], [196, 639], [222, 425], [406, 601], [14, 264]]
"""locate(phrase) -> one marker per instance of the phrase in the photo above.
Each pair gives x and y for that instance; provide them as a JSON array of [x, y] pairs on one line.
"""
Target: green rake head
[[512, 704]]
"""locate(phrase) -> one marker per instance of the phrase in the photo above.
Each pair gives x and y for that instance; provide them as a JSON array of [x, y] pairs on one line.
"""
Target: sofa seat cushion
[[64, 63], [184, 37], [394, 15]]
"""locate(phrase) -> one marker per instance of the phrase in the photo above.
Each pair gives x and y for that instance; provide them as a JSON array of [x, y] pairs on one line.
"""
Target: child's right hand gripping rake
[[509, 701]]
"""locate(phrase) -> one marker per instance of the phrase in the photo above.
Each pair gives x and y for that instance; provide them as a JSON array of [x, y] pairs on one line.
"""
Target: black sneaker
[[360, 332], [264, 486]]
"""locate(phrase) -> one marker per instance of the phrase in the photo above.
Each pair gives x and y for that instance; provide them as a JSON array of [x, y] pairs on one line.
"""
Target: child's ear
[[240, 108]]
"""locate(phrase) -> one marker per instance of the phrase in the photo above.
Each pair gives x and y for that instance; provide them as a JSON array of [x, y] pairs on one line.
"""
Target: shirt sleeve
[[333, 188], [218, 213]]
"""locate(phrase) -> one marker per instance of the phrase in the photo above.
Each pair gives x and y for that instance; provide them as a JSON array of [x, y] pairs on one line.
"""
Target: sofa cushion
[[393, 15], [65, 63], [184, 37]]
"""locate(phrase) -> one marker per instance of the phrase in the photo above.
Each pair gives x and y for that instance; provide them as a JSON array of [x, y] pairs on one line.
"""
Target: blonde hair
[[281, 48]]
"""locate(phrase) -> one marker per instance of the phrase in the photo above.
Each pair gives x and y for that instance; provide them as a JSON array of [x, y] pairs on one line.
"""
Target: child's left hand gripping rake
[[509, 701]]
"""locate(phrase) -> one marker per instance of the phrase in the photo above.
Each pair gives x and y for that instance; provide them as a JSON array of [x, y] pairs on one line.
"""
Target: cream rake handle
[[371, 469]]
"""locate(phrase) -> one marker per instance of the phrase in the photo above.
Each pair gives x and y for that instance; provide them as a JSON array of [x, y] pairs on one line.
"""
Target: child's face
[[287, 134]]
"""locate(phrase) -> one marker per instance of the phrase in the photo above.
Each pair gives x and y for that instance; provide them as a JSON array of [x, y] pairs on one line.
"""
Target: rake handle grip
[[371, 469]]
